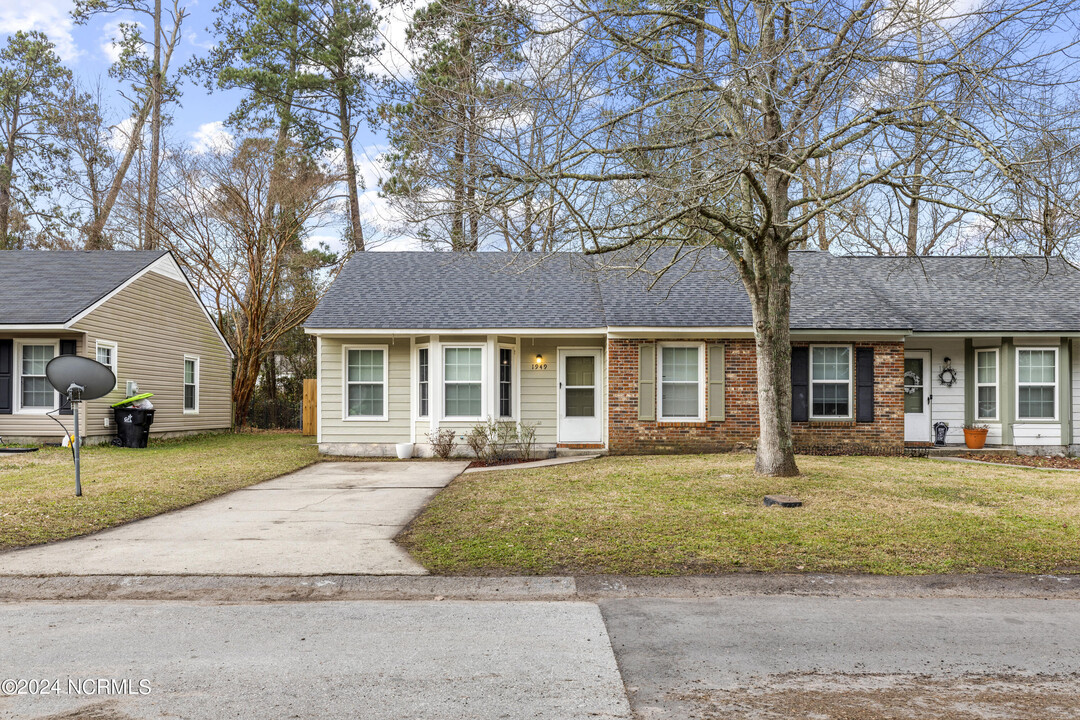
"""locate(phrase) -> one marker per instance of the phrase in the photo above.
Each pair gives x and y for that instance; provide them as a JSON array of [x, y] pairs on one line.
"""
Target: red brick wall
[[628, 435]]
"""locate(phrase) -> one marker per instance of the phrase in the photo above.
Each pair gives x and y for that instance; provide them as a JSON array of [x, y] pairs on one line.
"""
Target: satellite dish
[[80, 379]]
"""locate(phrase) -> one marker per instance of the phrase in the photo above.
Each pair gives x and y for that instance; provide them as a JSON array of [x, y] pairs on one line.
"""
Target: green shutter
[[646, 407], [716, 381]]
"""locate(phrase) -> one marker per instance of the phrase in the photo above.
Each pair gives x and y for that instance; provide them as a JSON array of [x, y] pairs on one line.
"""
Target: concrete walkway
[[327, 519]]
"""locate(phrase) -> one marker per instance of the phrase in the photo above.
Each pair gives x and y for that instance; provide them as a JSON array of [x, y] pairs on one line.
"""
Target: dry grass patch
[[661, 515], [37, 490]]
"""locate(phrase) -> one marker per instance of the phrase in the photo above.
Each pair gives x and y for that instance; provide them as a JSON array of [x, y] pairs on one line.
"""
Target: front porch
[[1024, 389]]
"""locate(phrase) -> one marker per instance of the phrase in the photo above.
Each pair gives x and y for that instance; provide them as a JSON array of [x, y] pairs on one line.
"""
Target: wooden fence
[[310, 406]]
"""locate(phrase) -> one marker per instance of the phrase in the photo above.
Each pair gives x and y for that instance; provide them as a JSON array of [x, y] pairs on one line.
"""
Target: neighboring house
[[596, 358], [133, 311]]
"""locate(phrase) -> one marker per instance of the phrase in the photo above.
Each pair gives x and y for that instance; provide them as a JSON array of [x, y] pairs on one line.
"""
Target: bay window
[[463, 372], [506, 382], [830, 381], [423, 366]]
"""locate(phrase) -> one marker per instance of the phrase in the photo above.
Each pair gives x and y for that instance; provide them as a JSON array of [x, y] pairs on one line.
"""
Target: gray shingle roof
[[428, 290], [410, 291], [49, 287]]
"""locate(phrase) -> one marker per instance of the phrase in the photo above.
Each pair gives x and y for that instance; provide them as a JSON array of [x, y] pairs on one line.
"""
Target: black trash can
[[132, 427]]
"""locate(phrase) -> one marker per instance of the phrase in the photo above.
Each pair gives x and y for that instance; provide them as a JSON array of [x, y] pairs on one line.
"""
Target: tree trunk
[[7, 172], [356, 230], [247, 372], [150, 239], [771, 301], [96, 230]]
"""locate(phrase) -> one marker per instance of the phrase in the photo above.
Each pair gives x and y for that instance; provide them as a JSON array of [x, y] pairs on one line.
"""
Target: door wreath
[[916, 382]]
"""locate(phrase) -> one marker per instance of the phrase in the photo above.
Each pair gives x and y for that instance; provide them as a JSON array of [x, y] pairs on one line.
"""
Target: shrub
[[442, 442], [526, 440], [479, 441]]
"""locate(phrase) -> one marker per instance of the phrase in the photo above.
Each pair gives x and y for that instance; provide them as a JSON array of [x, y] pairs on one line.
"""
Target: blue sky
[[86, 50]]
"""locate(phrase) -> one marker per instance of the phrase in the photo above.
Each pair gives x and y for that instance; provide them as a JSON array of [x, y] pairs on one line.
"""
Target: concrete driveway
[[330, 518]]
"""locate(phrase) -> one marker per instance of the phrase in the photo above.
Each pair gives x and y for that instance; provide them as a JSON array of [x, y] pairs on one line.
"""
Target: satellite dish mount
[[81, 379]]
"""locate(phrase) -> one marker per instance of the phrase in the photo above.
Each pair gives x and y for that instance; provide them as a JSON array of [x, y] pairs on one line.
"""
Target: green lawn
[[697, 514], [37, 490]]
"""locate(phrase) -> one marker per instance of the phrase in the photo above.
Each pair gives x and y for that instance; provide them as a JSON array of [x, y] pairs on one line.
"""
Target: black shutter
[[7, 390], [864, 384], [67, 347], [800, 384]]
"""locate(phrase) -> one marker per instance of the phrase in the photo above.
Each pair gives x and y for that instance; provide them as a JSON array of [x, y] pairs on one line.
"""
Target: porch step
[[957, 450], [579, 450]]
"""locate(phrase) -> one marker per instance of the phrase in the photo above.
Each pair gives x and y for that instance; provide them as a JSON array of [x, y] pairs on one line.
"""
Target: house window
[[506, 382], [830, 381], [106, 354], [423, 386], [1036, 378], [191, 384], [986, 384], [463, 382], [365, 383], [35, 392], [681, 382]]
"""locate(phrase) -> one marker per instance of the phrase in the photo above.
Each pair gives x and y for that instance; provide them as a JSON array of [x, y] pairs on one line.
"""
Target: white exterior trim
[[17, 376], [850, 383], [56, 327], [449, 333], [183, 382], [1057, 385], [318, 389], [660, 417], [996, 384], [485, 378], [385, 417]]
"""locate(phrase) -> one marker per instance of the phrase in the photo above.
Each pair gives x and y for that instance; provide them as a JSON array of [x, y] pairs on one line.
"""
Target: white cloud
[[211, 136], [119, 134], [48, 16], [395, 59]]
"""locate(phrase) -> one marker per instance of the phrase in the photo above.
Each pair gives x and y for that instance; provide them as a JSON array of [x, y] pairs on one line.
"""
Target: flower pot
[[974, 439], [404, 451]]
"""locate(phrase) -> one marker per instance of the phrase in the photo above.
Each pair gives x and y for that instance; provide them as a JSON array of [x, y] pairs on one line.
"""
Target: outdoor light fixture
[[539, 359]]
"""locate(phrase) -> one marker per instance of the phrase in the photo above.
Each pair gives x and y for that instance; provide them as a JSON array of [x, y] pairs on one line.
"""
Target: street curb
[[243, 589]]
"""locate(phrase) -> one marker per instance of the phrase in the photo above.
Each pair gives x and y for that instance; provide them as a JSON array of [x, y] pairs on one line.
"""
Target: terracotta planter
[[974, 439]]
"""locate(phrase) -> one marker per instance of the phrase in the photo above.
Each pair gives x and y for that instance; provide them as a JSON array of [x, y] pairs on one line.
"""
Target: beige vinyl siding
[[36, 426], [540, 388], [333, 428], [155, 321], [1076, 394]]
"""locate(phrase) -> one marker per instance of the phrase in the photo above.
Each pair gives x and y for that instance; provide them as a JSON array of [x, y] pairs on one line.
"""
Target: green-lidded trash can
[[132, 424]]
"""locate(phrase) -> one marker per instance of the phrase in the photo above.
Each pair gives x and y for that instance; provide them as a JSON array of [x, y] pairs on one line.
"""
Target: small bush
[[526, 440], [479, 441], [442, 442]]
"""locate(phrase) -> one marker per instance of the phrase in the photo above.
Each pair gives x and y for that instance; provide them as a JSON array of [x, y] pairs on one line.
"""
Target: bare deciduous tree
[[704, 117], [251, 276]]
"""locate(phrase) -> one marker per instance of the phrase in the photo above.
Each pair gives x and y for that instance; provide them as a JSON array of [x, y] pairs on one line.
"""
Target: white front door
[[580, 388], [917, 397]]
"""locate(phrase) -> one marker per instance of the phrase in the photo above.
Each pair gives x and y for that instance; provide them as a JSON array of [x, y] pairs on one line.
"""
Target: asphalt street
[[649, 658]]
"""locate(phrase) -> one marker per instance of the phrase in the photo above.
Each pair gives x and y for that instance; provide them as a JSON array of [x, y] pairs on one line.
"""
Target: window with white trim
[[365, 383], [191, 384], [463, 377], [423, 383], [830, 381], [682, 381], [506, 382], [35, 392], [1036, 381], [105, 353], [986, 384]]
